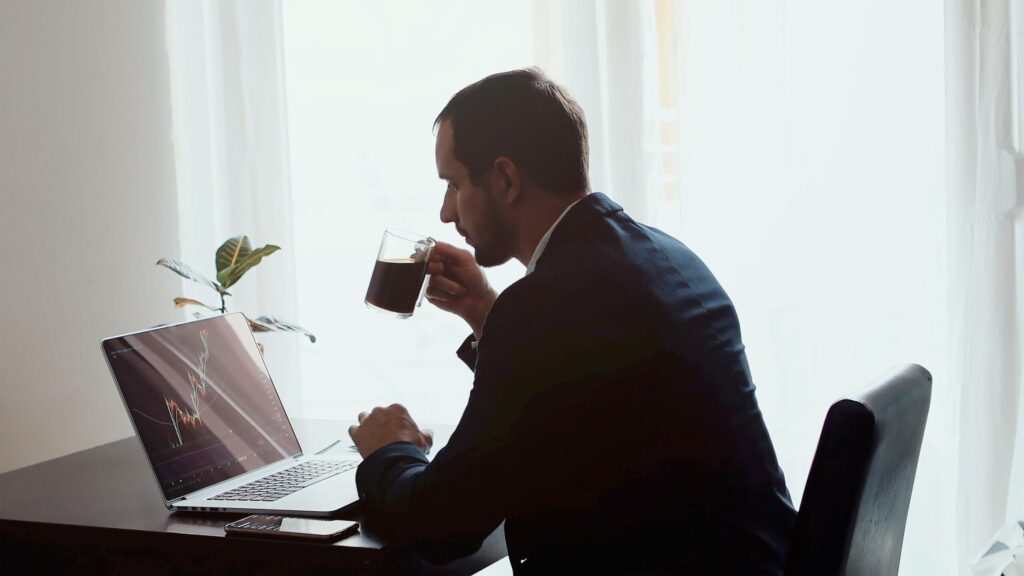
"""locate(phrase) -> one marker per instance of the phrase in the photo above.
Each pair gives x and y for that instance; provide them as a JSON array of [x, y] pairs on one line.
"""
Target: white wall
[[87, 206]]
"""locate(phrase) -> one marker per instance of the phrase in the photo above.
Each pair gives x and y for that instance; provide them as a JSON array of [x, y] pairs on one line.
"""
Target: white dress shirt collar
[[544, 239]]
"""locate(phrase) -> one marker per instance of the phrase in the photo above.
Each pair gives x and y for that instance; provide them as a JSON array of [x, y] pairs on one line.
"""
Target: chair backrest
[[854, 508]]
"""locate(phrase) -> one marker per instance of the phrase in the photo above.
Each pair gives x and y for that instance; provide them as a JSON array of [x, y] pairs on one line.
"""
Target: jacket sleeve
[[467, 352], [533, 367], [446, 508]]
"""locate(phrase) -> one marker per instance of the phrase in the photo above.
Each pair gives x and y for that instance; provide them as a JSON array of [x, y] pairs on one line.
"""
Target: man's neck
[[542, 216]]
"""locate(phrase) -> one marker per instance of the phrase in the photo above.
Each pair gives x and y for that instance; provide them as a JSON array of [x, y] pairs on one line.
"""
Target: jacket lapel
[[586, 211]]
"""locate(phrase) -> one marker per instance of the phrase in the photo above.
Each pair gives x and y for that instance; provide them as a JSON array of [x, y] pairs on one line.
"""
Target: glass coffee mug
[[397, 284]]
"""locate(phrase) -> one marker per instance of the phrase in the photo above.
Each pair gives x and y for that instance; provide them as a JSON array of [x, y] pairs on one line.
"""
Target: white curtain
[[810, 158], [365, 82], [803, 149], [985, 171], [859, 220], [605, 52], [231, 154]]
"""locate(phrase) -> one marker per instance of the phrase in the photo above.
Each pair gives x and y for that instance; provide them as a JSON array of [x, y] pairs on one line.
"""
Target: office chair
[[854, 509]]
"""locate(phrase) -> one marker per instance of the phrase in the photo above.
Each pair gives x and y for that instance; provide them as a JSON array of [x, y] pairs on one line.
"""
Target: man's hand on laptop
[[382, 426]]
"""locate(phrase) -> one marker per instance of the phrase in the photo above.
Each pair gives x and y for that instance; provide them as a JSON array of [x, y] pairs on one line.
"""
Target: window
[[361, 102]]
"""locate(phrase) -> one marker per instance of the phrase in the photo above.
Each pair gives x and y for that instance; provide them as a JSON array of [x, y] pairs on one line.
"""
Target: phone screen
[[290, 526]]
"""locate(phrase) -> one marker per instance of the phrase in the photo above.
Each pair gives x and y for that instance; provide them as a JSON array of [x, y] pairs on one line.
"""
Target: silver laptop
[[212, 424]]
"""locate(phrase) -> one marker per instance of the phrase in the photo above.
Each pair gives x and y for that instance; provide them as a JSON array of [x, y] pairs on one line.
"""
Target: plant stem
[[223, 307]]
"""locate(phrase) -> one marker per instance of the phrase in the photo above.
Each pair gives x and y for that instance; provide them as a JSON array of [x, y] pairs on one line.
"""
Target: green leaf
[[182, 302], [272, 324], [185, 271], [232, 274], [231, 252]]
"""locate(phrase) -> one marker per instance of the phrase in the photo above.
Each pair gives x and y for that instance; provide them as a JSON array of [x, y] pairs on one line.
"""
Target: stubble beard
[[494, 245]]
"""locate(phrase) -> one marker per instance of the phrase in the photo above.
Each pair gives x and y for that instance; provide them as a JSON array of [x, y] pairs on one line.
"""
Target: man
[[612, 422]]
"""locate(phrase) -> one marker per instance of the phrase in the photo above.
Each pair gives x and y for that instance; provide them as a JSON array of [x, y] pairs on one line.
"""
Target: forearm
[[412, 507], [476, 315]]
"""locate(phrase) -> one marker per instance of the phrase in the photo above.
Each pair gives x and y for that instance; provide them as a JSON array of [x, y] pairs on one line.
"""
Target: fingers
[[447, 285], [441, 288], [444, 252], [438, 297], [437, 254], [428, 435], [445, 305], [382, 426], [377, 411]]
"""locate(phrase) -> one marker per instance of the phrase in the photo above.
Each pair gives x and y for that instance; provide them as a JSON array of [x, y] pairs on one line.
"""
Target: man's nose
[[448, 212]]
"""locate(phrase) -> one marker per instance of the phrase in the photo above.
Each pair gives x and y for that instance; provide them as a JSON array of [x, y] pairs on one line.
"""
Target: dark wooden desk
[[100, 511]]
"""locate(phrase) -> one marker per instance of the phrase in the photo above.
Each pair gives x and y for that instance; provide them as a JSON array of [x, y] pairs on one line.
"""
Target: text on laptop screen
[[202, 402]]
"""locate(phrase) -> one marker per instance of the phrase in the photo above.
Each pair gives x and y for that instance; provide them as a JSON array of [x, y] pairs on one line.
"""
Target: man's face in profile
[[474, 210]]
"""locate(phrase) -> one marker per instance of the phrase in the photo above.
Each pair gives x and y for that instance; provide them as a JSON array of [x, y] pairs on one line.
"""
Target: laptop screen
[[201, 401]]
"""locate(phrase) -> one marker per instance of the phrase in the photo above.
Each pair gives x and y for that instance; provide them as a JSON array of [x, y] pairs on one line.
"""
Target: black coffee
[[395, 284]]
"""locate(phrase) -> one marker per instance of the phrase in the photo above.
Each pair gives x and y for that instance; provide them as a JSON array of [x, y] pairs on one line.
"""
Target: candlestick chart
[[190, 416]]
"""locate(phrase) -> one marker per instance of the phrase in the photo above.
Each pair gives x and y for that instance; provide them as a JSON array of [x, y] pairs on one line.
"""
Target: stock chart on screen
[[201, 401]]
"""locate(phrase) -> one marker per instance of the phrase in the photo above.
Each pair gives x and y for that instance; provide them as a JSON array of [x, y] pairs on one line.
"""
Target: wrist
[[477, 324], [479, 316]]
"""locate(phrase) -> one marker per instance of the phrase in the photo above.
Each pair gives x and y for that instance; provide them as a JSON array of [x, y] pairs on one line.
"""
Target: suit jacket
[[612, 422]]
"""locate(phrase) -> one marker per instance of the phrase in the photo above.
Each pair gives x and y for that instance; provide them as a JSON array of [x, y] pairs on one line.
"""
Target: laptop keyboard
[[280, 484]]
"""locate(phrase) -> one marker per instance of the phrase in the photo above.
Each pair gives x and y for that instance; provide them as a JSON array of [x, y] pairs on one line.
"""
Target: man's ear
[[507, 180]]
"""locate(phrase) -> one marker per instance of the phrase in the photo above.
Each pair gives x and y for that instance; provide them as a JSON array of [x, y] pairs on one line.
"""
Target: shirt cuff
[[467, 352], [372, 469]]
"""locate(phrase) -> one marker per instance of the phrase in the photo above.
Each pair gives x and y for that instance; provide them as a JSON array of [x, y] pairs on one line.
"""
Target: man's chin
[[488, 259]]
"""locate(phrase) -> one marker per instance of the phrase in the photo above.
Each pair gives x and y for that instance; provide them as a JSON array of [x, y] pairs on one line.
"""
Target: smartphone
[[284, 526]]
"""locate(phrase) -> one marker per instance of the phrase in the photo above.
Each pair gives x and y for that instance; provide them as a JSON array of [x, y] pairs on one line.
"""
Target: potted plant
[[233, 259]]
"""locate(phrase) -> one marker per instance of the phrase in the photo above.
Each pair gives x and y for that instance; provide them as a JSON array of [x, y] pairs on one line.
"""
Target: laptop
[[212, 425]]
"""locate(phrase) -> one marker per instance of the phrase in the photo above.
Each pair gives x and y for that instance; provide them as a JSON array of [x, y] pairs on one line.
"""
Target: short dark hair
[[524, 116]]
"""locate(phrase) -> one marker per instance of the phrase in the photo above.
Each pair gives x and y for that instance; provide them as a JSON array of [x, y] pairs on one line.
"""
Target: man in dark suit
[[612, 423]]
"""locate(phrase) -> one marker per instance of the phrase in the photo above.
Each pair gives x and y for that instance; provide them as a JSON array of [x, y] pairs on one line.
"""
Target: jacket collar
[[592, 206]]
